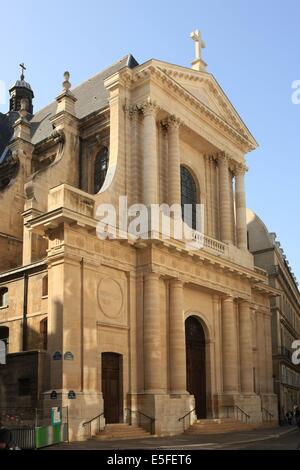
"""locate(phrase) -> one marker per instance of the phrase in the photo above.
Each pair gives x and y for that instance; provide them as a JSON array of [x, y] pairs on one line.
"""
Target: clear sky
[[253, 49]]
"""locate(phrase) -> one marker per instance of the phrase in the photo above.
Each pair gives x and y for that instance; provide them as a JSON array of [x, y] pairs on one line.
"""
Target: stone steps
[[120, 431], [219, 426]]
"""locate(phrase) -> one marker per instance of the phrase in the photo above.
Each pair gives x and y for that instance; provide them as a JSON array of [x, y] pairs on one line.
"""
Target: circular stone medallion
[[110, 297]]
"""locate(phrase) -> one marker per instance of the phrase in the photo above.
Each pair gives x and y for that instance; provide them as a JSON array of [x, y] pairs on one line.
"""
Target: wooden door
[[195, 364], [112, 387]]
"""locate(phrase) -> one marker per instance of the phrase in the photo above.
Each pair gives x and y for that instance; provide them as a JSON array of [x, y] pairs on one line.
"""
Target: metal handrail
[[268, 413], [185, 416], [90, 423], [152, 420], [243, 413]]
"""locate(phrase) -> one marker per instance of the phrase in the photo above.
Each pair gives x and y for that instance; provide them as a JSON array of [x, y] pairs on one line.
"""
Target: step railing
[[185, 416], [237, 413], [266, 414], [139, 419], [88, 424]]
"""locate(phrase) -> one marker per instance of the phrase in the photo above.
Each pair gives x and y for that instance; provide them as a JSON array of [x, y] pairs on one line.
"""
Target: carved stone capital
[[240, 169], [172, 122], [150, 107], [131, 111], [223, 158]]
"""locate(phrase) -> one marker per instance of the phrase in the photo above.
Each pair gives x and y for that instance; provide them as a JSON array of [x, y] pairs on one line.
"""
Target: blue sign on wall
[[71, 395], [56, 356]]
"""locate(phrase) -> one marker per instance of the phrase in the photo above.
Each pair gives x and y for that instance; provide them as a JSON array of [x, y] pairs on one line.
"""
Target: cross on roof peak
[[198, 63], [23, 68]]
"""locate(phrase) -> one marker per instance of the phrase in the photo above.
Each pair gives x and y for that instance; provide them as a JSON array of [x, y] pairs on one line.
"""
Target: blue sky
[[253, 49]]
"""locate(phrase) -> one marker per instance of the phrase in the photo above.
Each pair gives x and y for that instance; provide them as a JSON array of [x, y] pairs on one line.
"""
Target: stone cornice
[[215, 89], [130, 77]]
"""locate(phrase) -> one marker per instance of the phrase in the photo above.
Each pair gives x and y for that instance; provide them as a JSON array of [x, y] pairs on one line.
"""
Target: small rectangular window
[[45, 286]]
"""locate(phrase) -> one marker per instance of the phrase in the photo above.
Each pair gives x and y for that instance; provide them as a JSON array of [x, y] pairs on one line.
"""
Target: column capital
[[151, 276], [240, 169], [222, 158], [172, 122], [132, 111], [176, 282], [244, 302], [149, 107], [228, 298]]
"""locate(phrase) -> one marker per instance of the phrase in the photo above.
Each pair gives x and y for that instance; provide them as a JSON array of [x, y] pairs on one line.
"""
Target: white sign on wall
[[2, 352]]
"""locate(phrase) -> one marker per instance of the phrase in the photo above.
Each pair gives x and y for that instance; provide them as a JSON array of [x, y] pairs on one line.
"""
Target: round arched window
[[100, 168], [189, 197]]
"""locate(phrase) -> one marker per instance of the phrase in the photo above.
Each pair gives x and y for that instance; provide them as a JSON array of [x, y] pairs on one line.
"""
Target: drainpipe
[[25, 302]]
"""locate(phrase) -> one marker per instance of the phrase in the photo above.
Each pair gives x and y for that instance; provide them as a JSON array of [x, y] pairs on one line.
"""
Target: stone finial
[[66, 83], [66, 100]]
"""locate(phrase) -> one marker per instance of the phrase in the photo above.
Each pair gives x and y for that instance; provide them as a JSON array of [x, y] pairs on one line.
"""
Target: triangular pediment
[[205, 88]]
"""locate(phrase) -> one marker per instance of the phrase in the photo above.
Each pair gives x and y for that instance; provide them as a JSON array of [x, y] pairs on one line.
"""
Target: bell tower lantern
[[21, 90]]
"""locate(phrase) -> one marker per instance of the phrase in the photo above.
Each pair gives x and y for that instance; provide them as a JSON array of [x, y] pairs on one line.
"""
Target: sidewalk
[[182, 441]]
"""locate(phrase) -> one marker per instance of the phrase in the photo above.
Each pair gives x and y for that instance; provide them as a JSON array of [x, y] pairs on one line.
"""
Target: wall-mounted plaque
[[68, 356]]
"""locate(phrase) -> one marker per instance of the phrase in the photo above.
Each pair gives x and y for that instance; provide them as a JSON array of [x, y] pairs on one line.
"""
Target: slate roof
[[6, 131], [91, 96]]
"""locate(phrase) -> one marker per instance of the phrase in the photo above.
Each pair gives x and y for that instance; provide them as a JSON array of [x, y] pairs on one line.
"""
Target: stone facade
[[285, 311], [132, 297]]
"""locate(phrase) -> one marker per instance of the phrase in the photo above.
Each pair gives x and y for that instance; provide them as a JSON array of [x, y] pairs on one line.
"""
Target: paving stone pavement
[[283, 437]]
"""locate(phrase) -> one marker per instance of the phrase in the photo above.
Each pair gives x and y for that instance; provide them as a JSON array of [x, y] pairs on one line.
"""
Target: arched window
[[3, 297], [45, 286], [100, 168], [188, 196]]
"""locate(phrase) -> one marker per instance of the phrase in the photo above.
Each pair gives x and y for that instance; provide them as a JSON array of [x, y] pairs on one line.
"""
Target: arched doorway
[[112, 386], [195, 364]]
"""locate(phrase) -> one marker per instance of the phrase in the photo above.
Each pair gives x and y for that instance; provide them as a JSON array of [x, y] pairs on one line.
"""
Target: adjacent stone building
[[147, 325], [285, 310]]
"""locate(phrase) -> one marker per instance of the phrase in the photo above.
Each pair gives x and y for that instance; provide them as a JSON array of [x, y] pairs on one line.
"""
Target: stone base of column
[[166, 410], [85, 406], [224, 406]]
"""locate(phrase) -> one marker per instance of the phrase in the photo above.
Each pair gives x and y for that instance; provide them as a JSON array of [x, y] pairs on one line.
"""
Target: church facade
[[143, 325]]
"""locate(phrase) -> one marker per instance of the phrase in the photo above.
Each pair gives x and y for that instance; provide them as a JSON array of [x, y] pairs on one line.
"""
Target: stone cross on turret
[[198, 63]]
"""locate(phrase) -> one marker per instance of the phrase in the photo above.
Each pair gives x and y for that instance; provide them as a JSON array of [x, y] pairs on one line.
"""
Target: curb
[[258, 439]]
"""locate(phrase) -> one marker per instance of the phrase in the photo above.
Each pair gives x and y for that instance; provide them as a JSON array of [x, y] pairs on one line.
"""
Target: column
[[240, 204], [177, 339], [208, 205], [152, 336], [225, 209], [174, 187], [134, 167], [246, 353], [229, 342], [150, 170]]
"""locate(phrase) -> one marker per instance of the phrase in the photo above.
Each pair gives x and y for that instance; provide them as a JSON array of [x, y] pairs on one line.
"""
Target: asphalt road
[[271, 441]]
